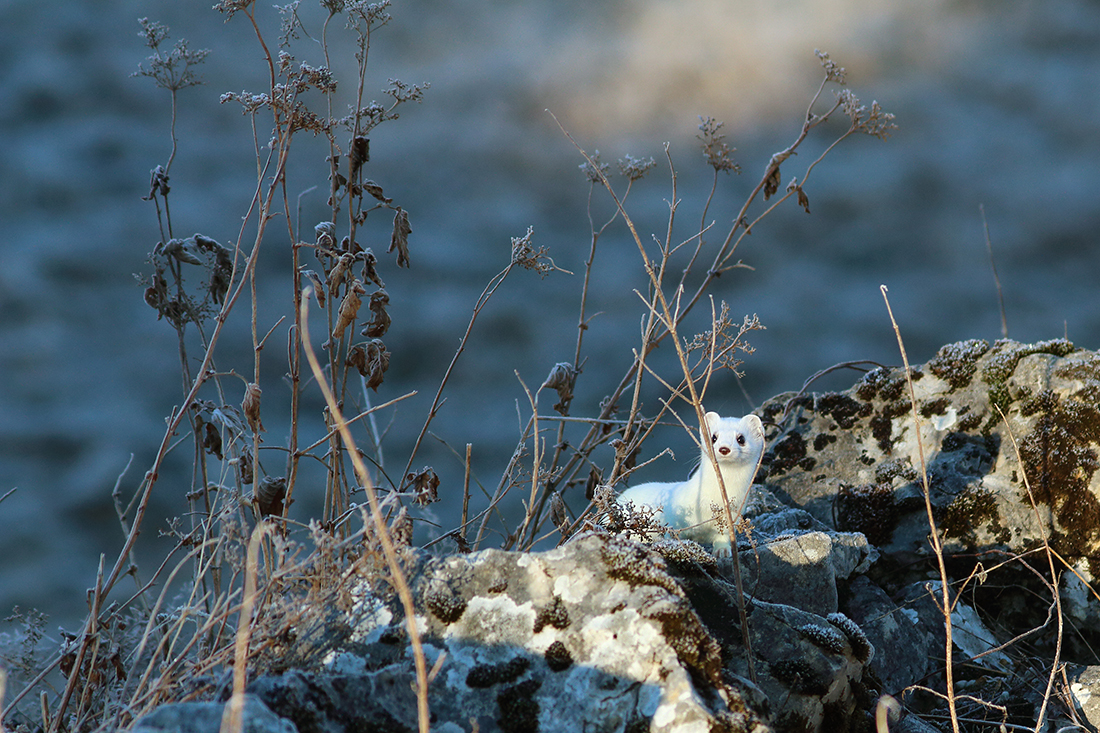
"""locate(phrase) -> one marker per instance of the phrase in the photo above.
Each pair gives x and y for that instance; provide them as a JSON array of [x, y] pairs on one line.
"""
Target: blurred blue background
[[997, 102]]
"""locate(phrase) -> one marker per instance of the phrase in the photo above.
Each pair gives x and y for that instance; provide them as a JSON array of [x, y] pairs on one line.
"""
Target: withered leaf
[[771, 183], [340, 271], [460, 541], [563, 377], [212, 440], [803, 200], [372, 360], [594, 479], [375, 190], [156, 295], [400, 239], [349, 309], [426, 485], [318, 286], [158, 183], [370, 268], [244, 464], [359, 154], [380, 319], [250, 406], [269, 496], [558, 513], [183, 250], [221, 274]]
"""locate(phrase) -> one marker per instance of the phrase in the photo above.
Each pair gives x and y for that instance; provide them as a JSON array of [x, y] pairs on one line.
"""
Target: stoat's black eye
[[740, 439], [714, 437]]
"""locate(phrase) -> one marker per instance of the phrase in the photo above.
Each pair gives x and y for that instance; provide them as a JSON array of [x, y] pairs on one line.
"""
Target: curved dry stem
[[937, 547], [379, 525]]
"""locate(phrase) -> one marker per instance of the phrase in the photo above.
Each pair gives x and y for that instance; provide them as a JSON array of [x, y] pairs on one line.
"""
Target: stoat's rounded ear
[[712, 419], [753, 423]]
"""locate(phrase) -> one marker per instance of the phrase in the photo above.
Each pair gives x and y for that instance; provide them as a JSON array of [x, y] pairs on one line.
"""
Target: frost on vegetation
[[528, 257], [171, 69], [715, 149]]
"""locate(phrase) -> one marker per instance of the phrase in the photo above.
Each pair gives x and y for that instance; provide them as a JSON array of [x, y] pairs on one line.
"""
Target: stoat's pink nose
[[724, 450]]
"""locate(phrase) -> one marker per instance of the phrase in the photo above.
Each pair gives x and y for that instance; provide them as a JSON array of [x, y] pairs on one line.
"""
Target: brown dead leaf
[[349, 309], [380, 319], [426, 485], [400, 239], [250, 406], [375, 190], [372, 360]]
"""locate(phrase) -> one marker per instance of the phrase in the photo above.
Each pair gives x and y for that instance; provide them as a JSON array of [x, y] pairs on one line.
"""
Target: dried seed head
[[833, 71], [594, 170], [634, 169], [715, 149]]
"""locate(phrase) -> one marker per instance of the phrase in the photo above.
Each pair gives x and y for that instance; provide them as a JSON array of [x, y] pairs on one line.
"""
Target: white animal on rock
[[738, 444]]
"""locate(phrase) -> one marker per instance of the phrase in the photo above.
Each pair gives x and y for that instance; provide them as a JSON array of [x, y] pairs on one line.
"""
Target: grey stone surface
[[206, 717]]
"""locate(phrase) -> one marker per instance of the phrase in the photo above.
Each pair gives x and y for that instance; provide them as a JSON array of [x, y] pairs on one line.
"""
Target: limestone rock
[[206, 717], [852, 459]]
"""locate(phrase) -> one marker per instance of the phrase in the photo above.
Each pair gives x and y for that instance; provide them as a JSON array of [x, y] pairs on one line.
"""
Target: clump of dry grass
[[244, 571]]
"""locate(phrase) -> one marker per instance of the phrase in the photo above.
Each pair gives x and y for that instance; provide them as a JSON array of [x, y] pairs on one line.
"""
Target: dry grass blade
[[234, 709], [935, 537], [379, 523]]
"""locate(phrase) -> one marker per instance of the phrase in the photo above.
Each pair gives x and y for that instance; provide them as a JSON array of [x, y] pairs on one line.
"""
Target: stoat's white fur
[[738, 444]]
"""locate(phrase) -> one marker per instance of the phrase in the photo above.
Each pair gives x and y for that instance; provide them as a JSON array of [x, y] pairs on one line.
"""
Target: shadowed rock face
[[604, 633]]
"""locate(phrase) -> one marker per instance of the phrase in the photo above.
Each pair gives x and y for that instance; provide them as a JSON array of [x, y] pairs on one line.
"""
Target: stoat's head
[[735, 439]]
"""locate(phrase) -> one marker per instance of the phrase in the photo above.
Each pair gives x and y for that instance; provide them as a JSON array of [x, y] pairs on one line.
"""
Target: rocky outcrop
[[842, 593]]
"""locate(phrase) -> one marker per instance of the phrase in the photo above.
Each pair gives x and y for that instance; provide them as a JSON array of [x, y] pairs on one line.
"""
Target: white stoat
[[738, 444]]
